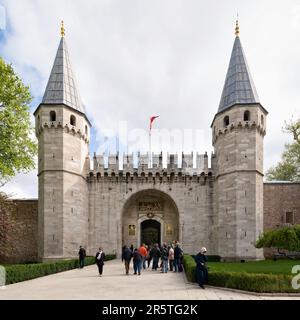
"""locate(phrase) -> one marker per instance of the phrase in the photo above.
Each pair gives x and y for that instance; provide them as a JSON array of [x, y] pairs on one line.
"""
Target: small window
[[247, 116], [72, 120], [38, 120], [262, 120], [226, 121], [289, 217], [52, 116], [86, 130]]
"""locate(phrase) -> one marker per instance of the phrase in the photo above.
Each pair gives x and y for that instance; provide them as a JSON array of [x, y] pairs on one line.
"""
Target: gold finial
[[62, 29], [237, 27]]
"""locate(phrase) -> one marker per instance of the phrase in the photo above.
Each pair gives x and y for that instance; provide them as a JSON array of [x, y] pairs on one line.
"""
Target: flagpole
[[150, 146], [150, 140]]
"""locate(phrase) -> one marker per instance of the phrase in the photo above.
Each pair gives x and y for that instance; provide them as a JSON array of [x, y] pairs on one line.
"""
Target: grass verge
[[256, 277]]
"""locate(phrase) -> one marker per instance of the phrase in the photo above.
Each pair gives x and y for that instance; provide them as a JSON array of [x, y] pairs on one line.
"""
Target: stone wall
[[19, 225], [112, 207], [19, 232], [280, 198]]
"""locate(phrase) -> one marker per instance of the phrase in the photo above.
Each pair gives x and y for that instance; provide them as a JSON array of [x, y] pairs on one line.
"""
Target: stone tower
[[63, 132], [238, 131]]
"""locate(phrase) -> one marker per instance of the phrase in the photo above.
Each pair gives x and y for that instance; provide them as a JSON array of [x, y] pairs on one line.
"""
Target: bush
[[22, 272], [189, 265], [287, 237], [211, 258], [256, 282]]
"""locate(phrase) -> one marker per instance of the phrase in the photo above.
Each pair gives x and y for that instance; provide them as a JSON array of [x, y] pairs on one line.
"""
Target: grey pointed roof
[[239, 87], [61, 87]]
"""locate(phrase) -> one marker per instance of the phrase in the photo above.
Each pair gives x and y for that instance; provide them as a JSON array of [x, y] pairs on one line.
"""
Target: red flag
[[151, 120]]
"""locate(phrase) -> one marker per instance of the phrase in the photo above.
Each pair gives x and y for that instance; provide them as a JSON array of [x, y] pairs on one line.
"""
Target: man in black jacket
[[155, 255], [178, 253], [82, 255], [100, 257], [126, 256]]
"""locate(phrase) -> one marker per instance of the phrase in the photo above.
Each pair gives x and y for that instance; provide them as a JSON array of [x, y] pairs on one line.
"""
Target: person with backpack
[[164, 258], [137, 261], [126, 256]]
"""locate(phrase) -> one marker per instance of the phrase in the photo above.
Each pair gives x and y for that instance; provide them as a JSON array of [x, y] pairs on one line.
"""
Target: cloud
[[133, 59], [23, 186]]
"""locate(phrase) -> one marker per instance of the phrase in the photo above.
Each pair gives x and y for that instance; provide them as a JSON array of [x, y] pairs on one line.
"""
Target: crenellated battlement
[[66, 127], [239, 125], [138, 169]]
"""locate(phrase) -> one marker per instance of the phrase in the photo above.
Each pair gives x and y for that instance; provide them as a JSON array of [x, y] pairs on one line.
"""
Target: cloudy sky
[[137, 58]]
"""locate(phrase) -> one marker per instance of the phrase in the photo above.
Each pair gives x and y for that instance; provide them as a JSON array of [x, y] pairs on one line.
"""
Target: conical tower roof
[[239, 87], [61, 87]]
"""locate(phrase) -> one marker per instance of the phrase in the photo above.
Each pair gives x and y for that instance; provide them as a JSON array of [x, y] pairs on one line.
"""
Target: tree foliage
[[287, 238], [288, 169], [17, 145]]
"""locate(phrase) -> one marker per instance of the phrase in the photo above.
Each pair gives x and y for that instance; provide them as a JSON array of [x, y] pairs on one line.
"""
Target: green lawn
[[264, 266]]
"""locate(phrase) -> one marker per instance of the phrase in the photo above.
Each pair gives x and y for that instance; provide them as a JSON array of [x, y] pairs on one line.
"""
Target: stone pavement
[[115, 285]]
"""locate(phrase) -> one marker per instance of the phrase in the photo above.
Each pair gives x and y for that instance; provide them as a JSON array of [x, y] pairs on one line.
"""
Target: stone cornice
[[150, 177], [239, 171], [61, 170]]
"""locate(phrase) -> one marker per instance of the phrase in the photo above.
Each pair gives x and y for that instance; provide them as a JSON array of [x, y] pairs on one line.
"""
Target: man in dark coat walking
[[201, 269], [126, 256], [100, 257], [82, 255], [137, 261]]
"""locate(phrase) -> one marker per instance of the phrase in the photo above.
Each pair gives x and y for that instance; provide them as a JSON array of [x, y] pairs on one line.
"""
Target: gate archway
[[153, 210]]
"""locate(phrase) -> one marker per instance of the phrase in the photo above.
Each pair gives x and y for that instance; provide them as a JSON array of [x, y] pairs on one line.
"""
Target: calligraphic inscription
[[131, 230], [153, 206]]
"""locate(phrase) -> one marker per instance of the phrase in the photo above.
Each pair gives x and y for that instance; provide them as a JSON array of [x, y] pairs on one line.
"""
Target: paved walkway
[[115, 285]]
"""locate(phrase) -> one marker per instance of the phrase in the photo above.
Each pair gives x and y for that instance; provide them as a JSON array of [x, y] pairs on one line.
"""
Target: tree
[[288, 169], [17, 145], [287, 238]]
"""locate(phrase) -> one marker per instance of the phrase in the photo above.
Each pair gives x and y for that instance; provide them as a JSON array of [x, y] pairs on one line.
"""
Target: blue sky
[[134, 59]]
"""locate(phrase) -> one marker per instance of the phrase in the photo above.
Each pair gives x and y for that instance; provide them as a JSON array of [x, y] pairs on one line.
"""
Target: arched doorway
[[149, 215], [150, 232]]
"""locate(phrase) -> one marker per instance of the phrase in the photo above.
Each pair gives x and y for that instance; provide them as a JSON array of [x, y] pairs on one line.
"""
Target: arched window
[[38, 121], [86, 130], [226, 121], [72, 120], [52, 116], [247, 116], [262, 120]]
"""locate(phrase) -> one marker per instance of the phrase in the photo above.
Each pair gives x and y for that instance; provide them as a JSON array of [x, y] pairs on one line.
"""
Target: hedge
[[21, 272], [212, 258], [256, 282]]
